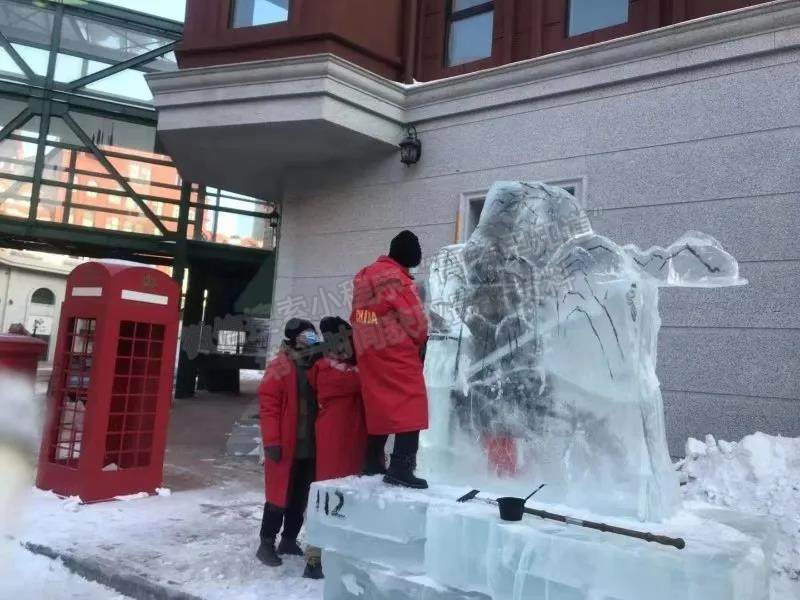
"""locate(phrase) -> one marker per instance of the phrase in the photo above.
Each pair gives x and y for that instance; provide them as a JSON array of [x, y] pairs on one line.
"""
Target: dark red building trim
[[406, 39]]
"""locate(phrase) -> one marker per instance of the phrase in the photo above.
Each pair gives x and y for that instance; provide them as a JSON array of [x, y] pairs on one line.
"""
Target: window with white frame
[[470, 28], [472, 204]]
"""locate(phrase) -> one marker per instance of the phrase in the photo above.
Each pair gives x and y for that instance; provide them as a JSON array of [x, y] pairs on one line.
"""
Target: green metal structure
[[82, 171]]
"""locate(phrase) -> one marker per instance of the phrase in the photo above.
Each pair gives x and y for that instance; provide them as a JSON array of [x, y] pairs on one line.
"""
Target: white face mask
[[307, 338]]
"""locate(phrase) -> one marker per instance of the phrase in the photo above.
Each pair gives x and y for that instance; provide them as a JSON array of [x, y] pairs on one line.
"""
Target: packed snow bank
[[760, 475]]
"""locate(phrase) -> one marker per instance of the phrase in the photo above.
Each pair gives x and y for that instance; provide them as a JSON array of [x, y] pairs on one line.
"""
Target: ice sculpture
[[541, 364]]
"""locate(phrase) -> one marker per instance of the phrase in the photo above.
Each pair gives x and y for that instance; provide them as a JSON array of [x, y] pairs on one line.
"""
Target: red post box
[[20, 355], [111, 386]]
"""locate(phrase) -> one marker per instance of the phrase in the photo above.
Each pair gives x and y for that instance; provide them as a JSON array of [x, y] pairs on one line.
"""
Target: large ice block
[[363, 517], [350, 579], [542, 360], [540, 558], [399, 544]]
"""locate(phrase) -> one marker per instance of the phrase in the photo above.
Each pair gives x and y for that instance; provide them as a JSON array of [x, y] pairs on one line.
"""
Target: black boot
[[401, 472], [375, 463], [289, 546], [313, 569], [266, 553]]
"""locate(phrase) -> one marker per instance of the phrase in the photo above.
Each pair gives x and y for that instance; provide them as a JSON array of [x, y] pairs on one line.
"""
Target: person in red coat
[[341, 429], [390, 333], [288, 411]]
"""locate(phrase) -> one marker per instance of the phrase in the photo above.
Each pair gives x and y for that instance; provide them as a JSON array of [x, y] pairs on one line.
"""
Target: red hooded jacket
[[341, 430], [389, 331]]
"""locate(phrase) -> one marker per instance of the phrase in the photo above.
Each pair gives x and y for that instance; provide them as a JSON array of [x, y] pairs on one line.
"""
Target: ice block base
[[385, 542]]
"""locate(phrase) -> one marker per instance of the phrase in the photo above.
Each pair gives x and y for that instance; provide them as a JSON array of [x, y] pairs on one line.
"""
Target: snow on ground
[[201, 542], [201, 538], [760, 475], [25, 575]]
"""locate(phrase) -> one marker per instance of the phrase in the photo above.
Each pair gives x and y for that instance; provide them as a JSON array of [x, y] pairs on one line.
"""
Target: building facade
[[661, 116], [32, 288]]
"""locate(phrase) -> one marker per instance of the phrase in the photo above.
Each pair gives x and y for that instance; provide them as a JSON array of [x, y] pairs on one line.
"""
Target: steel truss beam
[[18, 60], [128, 64], [116, 174], [19, 121]]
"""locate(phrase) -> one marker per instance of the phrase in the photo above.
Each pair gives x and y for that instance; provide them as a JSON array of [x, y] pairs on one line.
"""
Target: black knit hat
[[405, 249], [333, 325], [295, 327]]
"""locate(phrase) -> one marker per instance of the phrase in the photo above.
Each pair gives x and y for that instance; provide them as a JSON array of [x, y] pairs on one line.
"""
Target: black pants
[[292, 516], [406, 444]]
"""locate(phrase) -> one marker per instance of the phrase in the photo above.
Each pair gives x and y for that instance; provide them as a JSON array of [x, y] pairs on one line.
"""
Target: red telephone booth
[[111, 387]]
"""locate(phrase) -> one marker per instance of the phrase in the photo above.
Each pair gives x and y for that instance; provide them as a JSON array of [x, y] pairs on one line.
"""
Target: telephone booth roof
[[103, 279]]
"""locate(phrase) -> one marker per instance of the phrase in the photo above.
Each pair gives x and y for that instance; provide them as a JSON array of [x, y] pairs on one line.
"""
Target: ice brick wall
[[711, 147]]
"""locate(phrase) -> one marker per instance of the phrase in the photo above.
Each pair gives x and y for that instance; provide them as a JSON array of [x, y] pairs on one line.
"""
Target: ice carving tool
[[468, 496], [647, 536]]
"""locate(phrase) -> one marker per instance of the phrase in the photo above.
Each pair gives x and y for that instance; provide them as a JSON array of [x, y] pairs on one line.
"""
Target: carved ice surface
[[541, 365]]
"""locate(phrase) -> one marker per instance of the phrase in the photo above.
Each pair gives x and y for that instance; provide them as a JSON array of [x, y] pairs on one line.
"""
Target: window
[[87, 220], [247, 13], [589, 15], [128, 226], [113, 223], [138, 171], [43, 296], [91, 183], [470, 25]]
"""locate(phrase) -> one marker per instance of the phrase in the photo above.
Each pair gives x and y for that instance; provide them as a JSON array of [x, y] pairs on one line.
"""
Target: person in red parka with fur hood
[[288, 409], [390, 334]]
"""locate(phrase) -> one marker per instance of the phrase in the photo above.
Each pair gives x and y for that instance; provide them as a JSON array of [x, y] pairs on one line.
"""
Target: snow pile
[[761, 475]]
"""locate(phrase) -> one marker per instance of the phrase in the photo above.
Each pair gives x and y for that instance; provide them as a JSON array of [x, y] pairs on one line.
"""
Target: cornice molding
[[750, 31]]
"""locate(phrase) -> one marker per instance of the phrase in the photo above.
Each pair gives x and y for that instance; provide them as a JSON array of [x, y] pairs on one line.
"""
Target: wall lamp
[[410, 147]]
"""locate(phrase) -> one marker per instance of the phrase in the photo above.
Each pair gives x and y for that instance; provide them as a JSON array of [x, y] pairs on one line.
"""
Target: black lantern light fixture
[[410, 147], [273, 217]]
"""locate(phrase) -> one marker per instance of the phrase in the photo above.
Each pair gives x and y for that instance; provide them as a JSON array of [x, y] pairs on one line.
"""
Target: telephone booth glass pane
[[129, 441], [71, 391]]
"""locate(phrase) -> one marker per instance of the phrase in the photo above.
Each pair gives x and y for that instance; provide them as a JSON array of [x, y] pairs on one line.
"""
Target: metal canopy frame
[[47, 99]]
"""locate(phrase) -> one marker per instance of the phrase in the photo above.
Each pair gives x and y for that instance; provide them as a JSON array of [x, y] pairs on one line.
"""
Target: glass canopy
[[78, 143]]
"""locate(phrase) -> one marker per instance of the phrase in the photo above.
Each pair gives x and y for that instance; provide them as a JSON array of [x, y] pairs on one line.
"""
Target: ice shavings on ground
[[129, 497], [758, 475]]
